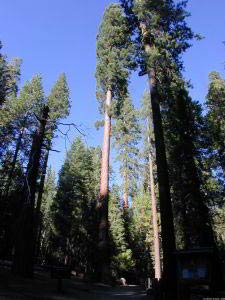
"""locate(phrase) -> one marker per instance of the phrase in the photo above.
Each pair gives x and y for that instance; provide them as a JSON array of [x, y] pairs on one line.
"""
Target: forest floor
[[43, 287]]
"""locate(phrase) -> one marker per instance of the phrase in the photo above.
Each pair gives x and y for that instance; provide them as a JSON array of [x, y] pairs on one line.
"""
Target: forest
[[169, 153]]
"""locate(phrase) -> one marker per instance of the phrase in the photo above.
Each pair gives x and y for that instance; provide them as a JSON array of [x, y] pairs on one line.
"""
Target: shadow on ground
[[45, 288]]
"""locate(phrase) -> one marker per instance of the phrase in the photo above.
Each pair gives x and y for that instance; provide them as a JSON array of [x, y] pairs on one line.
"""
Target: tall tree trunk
[[103, 245], [167, 225], [39, 202], [24, 244], [11, 173], [158, 274]]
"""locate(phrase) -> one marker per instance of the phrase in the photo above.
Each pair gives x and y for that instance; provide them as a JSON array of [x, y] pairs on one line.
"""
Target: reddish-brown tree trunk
[[103, 245]]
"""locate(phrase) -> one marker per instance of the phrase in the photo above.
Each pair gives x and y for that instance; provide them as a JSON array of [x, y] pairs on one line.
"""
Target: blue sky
[[54, 36]]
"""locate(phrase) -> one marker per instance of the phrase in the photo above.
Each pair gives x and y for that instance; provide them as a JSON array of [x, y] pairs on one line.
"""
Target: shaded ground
[[43, 287]]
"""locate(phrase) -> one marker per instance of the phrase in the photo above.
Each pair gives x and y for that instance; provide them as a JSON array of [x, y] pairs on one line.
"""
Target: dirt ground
[[43, 287]]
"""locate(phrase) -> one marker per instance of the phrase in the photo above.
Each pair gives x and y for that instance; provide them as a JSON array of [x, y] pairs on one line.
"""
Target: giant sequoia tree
[[114, 59], [163, 37]]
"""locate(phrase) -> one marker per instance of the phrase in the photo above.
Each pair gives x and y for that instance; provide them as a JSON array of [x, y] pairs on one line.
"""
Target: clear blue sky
[[54, 36]]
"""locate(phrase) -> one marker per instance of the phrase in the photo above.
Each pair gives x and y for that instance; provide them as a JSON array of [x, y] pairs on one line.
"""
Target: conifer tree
[[127, 135], [122, 261], [114, 59], [59, 105], [45, 229], [19, 115], [19, 121], [9, 77], [25, 240], [184, 151], [216, 120], [73, 209], [163, 37], [142, 235]]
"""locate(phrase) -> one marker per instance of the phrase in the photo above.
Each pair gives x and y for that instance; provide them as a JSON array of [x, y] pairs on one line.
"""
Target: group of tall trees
[[29, 120], [171, 154], [159, 35]]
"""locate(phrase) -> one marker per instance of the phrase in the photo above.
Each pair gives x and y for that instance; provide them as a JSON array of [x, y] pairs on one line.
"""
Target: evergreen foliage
[[9, 77], [122, 261], [127, 135], [115, 52], [46, 229], [216, 121], [73, 207], [142, 235]]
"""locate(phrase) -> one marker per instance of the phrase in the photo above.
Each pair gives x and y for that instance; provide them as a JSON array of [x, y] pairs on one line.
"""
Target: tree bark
[[158, 274], [167, 225], [103, 245], [24, 244]]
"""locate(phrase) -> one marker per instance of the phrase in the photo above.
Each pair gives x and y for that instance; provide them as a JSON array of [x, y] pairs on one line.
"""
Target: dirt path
[[43, 287]]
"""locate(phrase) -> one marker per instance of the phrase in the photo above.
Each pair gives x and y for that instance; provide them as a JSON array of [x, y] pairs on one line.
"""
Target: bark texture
[[103, 242]]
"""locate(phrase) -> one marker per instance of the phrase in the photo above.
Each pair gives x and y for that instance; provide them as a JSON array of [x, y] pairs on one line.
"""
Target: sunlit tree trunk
[[103, 245]]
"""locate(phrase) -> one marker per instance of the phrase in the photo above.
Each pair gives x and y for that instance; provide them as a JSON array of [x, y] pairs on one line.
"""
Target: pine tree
[[114, 59], [73, 209], [59, 105], [25, 241], [215, 119], [142, 235], [19, 118], [19, 115], [127, 135], [121, 261], [9, 77], [45, 230]]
